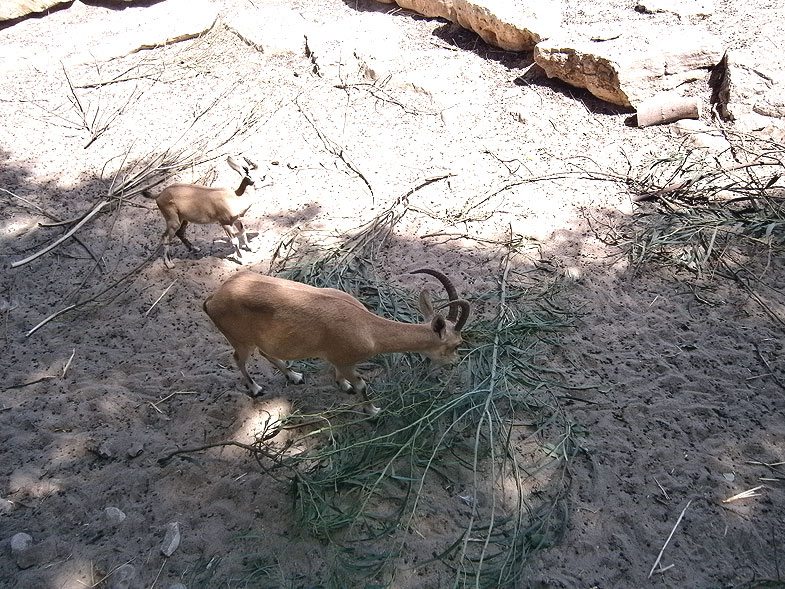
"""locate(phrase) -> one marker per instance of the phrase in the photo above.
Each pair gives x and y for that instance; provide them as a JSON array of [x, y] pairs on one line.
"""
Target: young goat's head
[[243, 170]]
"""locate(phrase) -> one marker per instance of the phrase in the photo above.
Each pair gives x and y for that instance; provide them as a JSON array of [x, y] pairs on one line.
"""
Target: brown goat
[[181, 204], [288, 320]]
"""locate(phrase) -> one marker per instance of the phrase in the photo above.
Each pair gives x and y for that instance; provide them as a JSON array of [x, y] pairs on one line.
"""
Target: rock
[[11, 9], [270, 29], [177, 586], [171, 539], [771, 103], [20, 542], [154, 25], [114, 515], [122, 577], [6, 506], [666, 108], [634, 66], [513, 25], [105, 451], [701, 135], [375, 47], [135, 449], [26, 554]]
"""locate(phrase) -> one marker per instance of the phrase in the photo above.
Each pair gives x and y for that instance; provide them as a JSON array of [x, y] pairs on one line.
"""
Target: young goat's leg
[[181, 234], [166, 242], [240, 228], [235, 241]]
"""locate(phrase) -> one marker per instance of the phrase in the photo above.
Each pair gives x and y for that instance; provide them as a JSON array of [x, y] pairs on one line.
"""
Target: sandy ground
[[682, 398]]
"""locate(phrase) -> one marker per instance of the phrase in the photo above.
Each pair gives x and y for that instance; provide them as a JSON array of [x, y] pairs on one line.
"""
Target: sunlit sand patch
[[263, 421]]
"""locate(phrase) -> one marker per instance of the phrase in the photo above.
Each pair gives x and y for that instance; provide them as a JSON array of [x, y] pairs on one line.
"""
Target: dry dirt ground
[[680, 401]]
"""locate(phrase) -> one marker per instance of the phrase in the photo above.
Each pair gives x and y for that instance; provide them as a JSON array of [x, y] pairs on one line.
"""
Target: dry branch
[[94, 298], [335, 149], [676, 525], [95, 210]]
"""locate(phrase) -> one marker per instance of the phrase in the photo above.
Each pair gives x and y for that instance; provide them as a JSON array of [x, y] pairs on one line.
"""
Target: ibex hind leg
[[291, 375], [181, 234], [241, 355]]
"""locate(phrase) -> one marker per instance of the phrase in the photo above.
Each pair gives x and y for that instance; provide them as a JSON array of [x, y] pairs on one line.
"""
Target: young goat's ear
[[426, 306], [242, 170]]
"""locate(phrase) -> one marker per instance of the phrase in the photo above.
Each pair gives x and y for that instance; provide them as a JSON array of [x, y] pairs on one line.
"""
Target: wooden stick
[[745, 494], [159, 298], [95, 297], [56, 222], [48, 319], [67, 364], [65, 236], [169, 396], [659, 556], [252, 449]]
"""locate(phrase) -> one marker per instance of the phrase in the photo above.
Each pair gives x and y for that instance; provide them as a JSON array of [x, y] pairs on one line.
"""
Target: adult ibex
[[181, 204], [288, 320]]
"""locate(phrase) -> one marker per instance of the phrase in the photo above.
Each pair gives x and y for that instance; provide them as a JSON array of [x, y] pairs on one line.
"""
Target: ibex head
[[448, 327]]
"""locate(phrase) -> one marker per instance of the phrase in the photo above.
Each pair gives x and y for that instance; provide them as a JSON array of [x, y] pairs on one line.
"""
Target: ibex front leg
[[349, 381], [235, 241]]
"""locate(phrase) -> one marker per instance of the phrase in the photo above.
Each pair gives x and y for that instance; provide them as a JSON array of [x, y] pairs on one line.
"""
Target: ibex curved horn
[[465, 308], [459, 308]]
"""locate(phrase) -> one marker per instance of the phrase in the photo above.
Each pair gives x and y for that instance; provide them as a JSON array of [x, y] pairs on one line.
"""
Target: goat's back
[[285, 319], [202, 204]]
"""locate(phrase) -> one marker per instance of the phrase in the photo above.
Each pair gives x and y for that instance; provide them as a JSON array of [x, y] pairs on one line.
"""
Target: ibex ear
[[426, 306], [439, 326], [235, 166]]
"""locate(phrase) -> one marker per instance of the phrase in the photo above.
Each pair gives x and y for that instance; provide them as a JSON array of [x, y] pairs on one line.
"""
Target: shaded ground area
[[670, 387]]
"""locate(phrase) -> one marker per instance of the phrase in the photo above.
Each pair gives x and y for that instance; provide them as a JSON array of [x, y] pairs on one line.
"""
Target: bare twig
[[67, 364], [95, 297], [335, 149], [766, 363], [254, 449], [159, 298], [169, 396], [676, 525], [56, 222], [749, 493], [95, 210]]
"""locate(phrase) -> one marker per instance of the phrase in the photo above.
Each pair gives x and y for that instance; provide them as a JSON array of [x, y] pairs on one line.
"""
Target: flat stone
[[171, 539], [12, 9], [514, 25], [122, 577], [20, 542], [634, 66], [270, 29], [114, 515]]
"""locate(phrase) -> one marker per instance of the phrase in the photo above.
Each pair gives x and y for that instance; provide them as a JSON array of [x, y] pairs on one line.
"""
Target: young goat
[[289, 320], [181, 204]]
